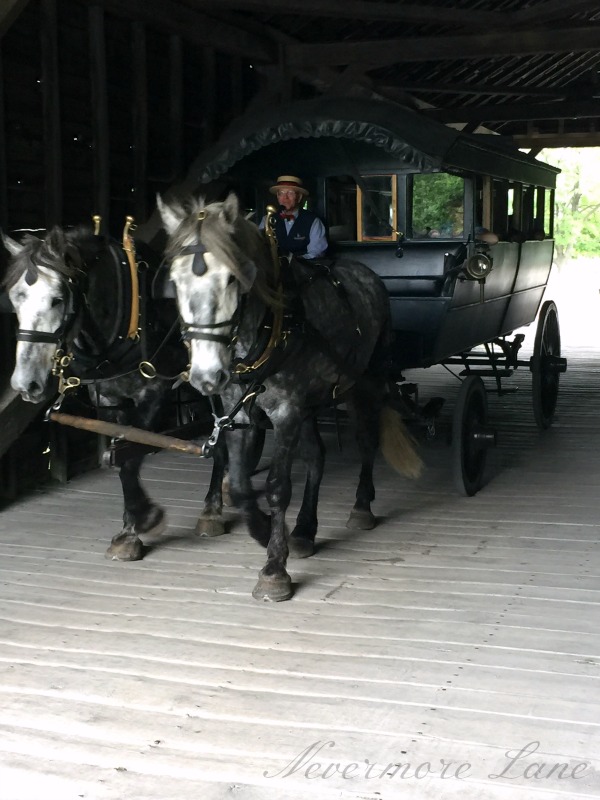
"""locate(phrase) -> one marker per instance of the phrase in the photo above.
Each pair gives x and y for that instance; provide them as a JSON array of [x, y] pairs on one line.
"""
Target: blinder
[[189, 330], [197, 250]]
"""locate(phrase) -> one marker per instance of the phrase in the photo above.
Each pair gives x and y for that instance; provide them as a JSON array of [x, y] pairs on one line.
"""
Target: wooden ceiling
[[526, 69], [529, 70]]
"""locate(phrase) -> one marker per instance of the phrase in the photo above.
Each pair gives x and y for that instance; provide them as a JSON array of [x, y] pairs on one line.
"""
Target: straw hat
[[289, 182]]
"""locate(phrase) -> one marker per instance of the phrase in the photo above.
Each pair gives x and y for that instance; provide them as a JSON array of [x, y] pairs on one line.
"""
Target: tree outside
[[577, 202], [575, 282]]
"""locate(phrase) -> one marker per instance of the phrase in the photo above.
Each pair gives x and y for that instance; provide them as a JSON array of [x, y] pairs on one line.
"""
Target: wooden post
[[140, 120], [209, 94], [176, 106], [99, 105], [4, 225], [51, 115]]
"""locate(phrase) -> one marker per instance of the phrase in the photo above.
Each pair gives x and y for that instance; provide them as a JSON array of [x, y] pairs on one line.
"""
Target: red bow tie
[[291, 217]]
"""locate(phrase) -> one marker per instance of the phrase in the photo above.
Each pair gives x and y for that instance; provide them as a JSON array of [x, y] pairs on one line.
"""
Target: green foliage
[[577, 201], [437, 203]]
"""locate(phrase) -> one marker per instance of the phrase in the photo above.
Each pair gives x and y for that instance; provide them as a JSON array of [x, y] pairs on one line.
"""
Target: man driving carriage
[[298, 231]]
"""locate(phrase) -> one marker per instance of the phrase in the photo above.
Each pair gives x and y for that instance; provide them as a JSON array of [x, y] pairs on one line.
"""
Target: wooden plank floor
[[452, 652]]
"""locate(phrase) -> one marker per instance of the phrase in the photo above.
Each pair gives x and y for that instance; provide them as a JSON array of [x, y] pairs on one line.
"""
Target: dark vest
[[299, 236]]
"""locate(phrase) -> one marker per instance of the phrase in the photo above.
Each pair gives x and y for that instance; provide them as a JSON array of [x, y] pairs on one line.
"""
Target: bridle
[[69, 316], [203, 331]]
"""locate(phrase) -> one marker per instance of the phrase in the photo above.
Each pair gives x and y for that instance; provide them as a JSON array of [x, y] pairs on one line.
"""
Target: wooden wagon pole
[[127, 432]]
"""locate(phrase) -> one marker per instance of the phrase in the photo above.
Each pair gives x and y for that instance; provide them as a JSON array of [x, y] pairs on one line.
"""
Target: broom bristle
[[397, 445]]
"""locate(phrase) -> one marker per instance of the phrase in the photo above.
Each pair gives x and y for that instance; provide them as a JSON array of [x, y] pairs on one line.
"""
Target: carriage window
[[376, 208], [437, 206], [548, 213], [527, 210], [340, 206]]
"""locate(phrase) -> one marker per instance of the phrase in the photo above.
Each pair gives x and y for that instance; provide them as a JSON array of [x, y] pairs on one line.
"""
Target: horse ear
[[171, 215], [13, 247], [231, 208]]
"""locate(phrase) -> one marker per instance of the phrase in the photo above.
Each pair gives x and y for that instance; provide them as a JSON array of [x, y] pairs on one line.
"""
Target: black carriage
[[459, 227]]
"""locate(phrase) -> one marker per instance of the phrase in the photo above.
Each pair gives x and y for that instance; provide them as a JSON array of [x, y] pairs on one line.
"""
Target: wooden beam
[[542, 140], [51, 115], [551, 9], [361, 10], [473, 88], [442, 48], [129, 433], [194, 27], [577, 109], [9, 11]]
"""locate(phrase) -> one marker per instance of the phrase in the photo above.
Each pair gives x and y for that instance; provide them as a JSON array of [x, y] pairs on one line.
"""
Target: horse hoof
[[300, 548], [124, 548], [361, 520], [209, 527], [273, 588]]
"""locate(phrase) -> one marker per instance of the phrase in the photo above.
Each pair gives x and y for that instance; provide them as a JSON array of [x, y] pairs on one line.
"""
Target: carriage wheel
[[546, 365], [470, 436]]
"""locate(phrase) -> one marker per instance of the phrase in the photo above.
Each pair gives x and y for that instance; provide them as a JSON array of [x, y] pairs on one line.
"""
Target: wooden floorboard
[[452, 652]]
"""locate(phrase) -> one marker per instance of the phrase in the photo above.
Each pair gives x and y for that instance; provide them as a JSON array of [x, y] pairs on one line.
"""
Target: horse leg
[[243, 495], [210, 522], [140, 515], [364, 408], [312, 452], [274, 583]]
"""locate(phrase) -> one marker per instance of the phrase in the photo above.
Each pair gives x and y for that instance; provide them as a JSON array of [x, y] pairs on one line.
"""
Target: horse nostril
[[34, 388], [208, 383]]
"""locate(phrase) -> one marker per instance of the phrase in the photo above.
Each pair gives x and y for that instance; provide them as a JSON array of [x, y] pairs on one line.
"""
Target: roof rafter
[[473, 88], [359, 9], [579, 109]]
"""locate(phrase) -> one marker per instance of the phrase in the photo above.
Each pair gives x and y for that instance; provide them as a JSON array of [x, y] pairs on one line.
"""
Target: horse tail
[[397, 445]]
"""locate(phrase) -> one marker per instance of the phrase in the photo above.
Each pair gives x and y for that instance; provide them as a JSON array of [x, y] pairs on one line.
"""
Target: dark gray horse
[[288, 338], [72, 293]]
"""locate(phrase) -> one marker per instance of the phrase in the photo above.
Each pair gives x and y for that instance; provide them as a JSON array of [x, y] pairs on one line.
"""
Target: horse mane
[[234, 241], [54, 251]]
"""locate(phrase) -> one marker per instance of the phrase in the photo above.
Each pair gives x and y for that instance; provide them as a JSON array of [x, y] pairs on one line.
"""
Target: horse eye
[[56, 301]]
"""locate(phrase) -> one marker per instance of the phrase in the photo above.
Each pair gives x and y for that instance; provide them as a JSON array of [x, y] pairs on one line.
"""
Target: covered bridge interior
[[104, 104], [457, 632]]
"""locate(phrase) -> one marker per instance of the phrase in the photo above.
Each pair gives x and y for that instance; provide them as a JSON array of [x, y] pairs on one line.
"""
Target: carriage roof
[[328, 136]]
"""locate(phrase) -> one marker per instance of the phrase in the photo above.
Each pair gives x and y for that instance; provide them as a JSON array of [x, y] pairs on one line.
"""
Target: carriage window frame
[[362, 207]]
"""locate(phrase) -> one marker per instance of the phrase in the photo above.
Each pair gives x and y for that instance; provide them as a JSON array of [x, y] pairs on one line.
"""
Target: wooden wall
[[99, 111], [101, 106]]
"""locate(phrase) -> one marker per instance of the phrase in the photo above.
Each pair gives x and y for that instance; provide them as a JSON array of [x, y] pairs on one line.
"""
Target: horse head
[[38, 279], [213, 251]]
